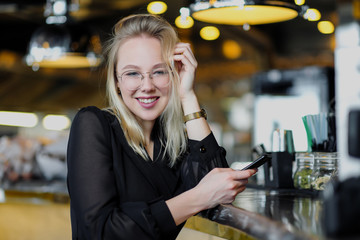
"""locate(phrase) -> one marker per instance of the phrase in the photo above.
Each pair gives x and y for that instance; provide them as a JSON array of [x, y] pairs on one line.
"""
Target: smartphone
[[258, 162]]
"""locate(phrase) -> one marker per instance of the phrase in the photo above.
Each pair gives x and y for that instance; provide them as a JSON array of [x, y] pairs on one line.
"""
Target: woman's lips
[[148, 102]]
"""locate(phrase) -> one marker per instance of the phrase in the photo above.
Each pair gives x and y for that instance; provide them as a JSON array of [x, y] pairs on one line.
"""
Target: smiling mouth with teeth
[[147, 100]]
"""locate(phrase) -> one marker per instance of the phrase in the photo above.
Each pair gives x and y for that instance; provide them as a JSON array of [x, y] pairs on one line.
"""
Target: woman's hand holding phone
[[221, 185]]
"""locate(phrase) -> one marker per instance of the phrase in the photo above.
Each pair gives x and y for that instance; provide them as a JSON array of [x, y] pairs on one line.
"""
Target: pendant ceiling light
[[244, 12], [61, 42]]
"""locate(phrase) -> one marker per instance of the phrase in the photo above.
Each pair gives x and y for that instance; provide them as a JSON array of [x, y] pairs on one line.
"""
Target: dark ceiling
[[293, 43]]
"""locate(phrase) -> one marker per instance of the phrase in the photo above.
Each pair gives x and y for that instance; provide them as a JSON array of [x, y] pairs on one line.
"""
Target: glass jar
[[304, 169], [325, 169]]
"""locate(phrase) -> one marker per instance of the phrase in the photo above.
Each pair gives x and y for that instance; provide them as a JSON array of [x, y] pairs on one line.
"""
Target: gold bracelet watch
[[195, 115]]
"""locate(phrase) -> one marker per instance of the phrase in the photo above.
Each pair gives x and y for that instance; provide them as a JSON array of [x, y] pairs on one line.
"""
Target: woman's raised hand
[[221, 185], [186, 66]]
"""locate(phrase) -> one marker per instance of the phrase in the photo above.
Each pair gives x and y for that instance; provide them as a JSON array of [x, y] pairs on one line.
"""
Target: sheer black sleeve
[[203, 156], [95, 209]]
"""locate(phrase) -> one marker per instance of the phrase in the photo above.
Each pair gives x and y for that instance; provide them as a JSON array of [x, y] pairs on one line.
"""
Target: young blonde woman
[[135, 169]]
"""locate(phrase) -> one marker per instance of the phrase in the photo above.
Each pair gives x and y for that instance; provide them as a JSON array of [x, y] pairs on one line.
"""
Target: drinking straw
[[308, 134], [320, 131], [314, 134]]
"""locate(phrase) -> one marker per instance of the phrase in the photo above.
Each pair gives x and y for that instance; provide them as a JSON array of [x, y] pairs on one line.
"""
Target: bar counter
[[266, 214], [257, 213]]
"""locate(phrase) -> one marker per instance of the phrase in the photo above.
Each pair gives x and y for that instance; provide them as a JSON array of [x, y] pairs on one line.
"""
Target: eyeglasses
[[133, 79]]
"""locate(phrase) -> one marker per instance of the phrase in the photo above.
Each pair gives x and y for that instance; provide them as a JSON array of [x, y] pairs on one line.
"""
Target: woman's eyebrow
[[130, 66], [159, 65]]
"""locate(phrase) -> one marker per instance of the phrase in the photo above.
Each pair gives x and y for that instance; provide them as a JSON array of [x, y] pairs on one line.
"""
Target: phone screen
[[258, 162]]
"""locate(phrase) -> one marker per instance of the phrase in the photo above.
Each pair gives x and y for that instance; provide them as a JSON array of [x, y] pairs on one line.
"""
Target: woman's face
[[142, 77]]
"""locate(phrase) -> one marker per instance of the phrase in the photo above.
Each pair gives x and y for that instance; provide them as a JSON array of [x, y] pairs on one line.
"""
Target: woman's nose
[[147, 83]]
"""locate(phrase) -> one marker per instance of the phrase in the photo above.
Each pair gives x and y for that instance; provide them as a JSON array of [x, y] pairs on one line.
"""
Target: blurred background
[[252, 78], [233, 76]]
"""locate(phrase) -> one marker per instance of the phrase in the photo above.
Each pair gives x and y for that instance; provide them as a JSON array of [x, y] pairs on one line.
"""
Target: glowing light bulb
[[299, 2], [157, 7], [312, 14], [18, 119], [231, 49], [325, 27], [56, 122], [188, 22], [209, 33]]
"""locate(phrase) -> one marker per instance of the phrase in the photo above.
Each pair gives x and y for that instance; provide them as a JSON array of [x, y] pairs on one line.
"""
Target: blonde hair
[[172, 131]]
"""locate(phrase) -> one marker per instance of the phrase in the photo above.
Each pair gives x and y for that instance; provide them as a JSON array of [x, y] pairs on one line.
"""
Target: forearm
[[197, 129], [184, 206], [220, 185]]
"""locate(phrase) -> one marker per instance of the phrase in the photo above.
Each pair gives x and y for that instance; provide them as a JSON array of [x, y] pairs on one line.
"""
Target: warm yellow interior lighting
[[312, 14], [18, 119], [356, 9], [325, 27], [56, 122], [157, 7], [209, 33], [299, 2], [8, 58], [69, 61], [180, 22], [248, 14], [231, 49]]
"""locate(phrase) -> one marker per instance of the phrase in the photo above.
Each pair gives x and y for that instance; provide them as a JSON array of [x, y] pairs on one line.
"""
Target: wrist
[[188, 97], [197, 199], [190, 103], [185, 205]]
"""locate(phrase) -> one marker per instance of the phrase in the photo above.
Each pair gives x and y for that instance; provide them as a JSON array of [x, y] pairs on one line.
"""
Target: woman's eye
[[132, 74], [160, 72]]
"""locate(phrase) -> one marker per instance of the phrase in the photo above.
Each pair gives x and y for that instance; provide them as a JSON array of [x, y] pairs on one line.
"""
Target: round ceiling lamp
[[62, 43], [63, 46], [240, 12]]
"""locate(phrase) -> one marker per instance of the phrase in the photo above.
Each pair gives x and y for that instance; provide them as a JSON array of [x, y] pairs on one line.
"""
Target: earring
[[118, 91]]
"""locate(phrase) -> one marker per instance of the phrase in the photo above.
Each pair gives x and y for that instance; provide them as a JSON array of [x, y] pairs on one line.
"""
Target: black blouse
[[116, 194]]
